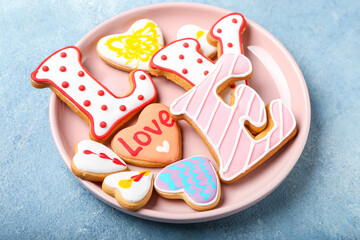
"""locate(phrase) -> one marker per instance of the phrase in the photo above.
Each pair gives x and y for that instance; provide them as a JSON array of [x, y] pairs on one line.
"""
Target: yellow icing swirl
[[140, 45]]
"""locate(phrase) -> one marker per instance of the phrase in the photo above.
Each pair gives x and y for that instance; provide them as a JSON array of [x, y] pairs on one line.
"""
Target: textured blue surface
[[320, 199]]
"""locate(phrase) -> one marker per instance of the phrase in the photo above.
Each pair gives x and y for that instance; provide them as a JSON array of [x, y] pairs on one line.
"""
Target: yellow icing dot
[[140, 45], [126, 183], [199, 34]]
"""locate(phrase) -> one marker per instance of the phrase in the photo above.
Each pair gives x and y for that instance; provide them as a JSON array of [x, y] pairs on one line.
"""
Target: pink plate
[[276, 75]]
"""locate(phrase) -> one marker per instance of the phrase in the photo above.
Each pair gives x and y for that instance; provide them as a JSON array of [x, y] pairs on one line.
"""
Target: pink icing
[[223, 125]]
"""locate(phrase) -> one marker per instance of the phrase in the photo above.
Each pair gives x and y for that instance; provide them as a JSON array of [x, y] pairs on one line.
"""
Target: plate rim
[[216, 213]]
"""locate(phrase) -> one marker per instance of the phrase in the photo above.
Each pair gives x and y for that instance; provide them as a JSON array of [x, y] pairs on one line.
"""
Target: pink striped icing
[[223, 125]]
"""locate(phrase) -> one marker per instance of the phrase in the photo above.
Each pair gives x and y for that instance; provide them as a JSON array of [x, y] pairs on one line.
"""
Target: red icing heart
[[117, 161], [103, 155], [145, 140]]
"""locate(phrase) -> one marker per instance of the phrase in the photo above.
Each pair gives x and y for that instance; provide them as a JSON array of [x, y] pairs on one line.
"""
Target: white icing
[[112, 114], [164, 148], [137, 191], [195, 70], [193, 31], [92, 162], [113, 56], [230, 33]]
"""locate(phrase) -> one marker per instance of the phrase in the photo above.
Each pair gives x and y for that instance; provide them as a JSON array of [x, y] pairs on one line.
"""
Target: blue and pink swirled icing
[[195, 176]]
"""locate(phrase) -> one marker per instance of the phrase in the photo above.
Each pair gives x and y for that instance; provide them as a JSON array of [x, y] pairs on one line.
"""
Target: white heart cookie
[[134, 48], [193, 31], [132, 189], [94, 161]]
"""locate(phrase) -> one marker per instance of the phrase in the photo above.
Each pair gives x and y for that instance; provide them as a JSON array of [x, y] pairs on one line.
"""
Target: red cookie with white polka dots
[[65, 75], [181, 62], [226, 34]]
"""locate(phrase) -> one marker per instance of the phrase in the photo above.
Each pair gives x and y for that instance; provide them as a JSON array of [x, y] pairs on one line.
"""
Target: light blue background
[[39, 197]]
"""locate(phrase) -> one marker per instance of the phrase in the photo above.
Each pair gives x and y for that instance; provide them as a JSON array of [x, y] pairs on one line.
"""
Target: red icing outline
[[242, 28], [197, 48], [82, 109]]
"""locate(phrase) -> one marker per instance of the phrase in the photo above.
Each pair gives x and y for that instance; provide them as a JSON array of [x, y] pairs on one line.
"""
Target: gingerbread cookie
[[241, 135], [132, 49], [64, 74], [154, 141], [226, 34], [193, 31], [132, 190], [93, 161], [193, 179]]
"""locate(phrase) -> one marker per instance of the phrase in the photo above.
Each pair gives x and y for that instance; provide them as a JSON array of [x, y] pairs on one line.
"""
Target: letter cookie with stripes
[[241, 135]]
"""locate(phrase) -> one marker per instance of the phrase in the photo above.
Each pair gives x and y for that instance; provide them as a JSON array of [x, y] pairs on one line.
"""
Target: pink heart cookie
[[154, 141]]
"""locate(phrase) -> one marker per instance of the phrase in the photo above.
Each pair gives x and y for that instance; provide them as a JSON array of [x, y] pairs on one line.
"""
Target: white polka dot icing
[[193, 31], [183, 58]]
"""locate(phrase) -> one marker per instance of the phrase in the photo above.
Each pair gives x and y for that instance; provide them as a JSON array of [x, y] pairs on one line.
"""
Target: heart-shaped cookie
[[132, 49], [132, 189], [154, 141], [94, 161], [192, 179]]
